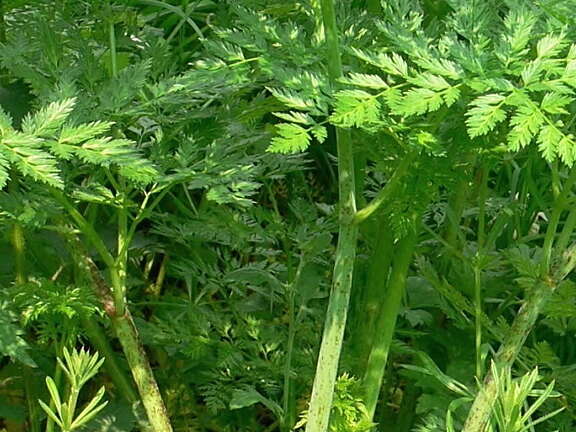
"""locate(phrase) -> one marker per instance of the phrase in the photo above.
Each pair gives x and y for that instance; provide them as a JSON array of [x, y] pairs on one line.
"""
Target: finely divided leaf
[[451, 95], [48, 119], [139, 170], [5, 122], [485, 113], [355, 108], [391, 64], [554, 103], [291, 138], [550, 46], [419, 101], [4, 166], [293, 100], [548, 141], [531, 71], [105, 151], [83, 132], [430, 81], [567, 149], [320, 133], [519, 24], [296, 117], [365, 80], [525, 123], [23, 150]]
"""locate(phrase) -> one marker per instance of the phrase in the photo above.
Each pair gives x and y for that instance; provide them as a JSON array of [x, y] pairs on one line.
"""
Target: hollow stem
[[333, 335], [386, 322]]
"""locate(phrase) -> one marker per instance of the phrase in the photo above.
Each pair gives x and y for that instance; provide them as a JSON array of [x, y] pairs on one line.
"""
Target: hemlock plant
[[201, 186]]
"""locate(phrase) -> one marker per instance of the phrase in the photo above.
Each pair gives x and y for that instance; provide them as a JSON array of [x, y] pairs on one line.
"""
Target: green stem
[[18, 243], [371, 296], [142, 372], [288, 397], [559, 206], [525, 320], [333, 335], [86, 228], [113, 59], [386, 323], [123, 323], [387, 190], [102, 345], [122, 258], [478, 269], [58, 382], [523, 323]]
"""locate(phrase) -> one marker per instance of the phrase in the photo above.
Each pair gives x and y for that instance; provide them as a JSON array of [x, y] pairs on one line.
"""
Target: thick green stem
[[102, 345], [122, 257], [386, 323], [524, 322], [372, 295], [333, 335], [18, 243], [142, 372], [122, 320]]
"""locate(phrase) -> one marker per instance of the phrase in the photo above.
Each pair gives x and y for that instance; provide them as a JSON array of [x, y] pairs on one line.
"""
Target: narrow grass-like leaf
[[50, 413]]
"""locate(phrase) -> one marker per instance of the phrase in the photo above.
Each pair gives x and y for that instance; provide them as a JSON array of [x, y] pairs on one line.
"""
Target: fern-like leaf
[[419, 101], [485, 113], [365, 80], [291, 138], [4, 165], [5, 122], [355, 108], [48, 119], [84, 132], [105, 151], [548, 140], [23, 151], [525, 124]]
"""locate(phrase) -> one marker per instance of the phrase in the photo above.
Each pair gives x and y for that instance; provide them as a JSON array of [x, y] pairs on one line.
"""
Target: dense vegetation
[[260, 216]]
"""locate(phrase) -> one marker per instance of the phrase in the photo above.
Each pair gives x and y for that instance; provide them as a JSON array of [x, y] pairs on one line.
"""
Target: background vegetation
[[251, 215]]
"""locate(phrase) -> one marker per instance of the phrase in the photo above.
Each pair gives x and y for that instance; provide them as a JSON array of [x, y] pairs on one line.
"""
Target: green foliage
[[187, 150], [511, 398], [35, 150], [11, 342], [79, 367], [348, 410]]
